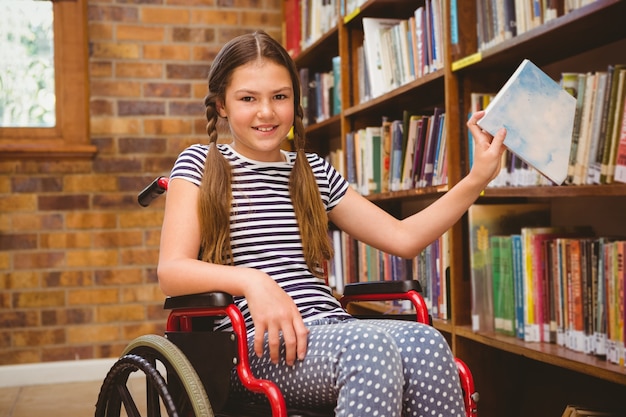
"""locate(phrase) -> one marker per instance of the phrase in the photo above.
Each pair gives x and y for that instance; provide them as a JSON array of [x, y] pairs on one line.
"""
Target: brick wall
[[77, 254]]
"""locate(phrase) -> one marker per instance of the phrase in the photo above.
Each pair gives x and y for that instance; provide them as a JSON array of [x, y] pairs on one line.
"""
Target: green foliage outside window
[[27, 93]]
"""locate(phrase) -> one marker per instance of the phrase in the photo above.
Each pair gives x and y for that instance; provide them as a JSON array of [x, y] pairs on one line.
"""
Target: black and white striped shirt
[[263, 226]]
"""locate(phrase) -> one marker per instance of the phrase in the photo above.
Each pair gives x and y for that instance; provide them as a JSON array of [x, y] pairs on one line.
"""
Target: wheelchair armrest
[[202, 300], [381, 287], [388, 290]]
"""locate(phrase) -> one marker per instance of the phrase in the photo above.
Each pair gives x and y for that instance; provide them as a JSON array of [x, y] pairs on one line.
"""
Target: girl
[[250, 219]]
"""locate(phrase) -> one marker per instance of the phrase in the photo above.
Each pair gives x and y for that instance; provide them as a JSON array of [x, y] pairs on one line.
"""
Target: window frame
[[70, 137]]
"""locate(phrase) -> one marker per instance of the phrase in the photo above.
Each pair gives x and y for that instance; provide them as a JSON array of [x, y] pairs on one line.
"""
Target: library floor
[[74, 399]]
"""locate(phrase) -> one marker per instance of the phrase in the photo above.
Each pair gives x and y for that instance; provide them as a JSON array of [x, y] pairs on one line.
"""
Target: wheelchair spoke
[[129, 403]]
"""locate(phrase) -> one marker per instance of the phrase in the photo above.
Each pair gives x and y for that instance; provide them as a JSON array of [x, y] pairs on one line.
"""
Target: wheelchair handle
[[157, 187]]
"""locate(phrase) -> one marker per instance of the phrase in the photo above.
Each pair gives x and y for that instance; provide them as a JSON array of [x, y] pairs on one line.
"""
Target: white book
[[538, 115], [374, 53]]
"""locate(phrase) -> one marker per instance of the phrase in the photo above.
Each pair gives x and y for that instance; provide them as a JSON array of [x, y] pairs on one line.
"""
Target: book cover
[[616, 103], [620, 158], [518, 284], [539, 117], [409, 154]]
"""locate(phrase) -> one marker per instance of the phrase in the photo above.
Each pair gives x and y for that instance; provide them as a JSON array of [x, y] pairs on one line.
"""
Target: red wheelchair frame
[[185, 309]]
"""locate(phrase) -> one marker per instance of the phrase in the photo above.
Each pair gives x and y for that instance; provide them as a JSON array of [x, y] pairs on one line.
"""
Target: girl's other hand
[[274, 312]]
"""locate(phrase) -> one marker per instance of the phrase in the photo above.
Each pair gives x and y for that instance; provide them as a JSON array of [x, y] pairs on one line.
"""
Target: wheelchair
[[187, 371]]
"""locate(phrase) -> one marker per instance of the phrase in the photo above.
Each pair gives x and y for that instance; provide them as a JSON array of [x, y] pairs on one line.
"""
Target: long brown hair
[[215, 189]]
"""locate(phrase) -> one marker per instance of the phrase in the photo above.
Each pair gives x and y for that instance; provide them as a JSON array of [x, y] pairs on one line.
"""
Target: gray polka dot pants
[[367, 368]]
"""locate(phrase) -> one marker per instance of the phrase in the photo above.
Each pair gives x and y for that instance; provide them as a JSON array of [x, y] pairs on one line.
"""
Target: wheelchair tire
[[181, 395]]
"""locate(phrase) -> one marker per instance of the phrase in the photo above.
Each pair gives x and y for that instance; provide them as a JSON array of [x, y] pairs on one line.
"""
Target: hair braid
[[308, 206], [215, 212]]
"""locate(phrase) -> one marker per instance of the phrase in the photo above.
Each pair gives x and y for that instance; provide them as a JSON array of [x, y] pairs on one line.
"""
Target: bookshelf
[[542, 378]]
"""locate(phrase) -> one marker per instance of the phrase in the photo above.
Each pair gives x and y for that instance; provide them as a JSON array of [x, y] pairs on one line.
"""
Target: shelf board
[[430, 85], [583, 29], [408, 194], [613, 190], [325, 129], [326, 46], [382, 8], [549, 353]]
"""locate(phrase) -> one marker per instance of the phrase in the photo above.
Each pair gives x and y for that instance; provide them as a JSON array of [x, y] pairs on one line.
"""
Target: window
[[62, 131]]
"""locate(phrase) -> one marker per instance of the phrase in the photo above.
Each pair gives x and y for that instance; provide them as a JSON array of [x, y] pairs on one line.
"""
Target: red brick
[[66, 353], [143, 70], [20, 356], [38, 337], [175, 52], [18, 241], [39, 221], [18, 318], [20, 280], [92, 258], [62, 317], [38, 260], [63, 202], [166, 90], [77, 335], [63, 240], [187, 72], [101, 107], [18, 202], [68, 278], [88, 220], [144, 293], [193, 35], [100, 69], [89, 183], [220, 16], [117, 239], [100, 31], [36, 184], [108, 277], [140, 107], [165, 15], [112, 13], [117, 164], [115, 200], [38, 299], [93, 296], [120, 313], [165, 126], [139, 33], [142, 145]]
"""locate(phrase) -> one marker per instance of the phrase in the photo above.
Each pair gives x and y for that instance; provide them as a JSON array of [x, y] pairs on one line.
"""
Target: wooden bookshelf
[[542, 378]]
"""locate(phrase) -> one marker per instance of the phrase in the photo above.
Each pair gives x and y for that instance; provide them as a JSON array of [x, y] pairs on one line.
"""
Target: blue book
[[538, 115], [518, 284]]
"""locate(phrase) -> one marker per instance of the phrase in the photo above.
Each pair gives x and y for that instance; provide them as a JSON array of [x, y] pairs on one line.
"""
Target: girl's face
[[259, 105]]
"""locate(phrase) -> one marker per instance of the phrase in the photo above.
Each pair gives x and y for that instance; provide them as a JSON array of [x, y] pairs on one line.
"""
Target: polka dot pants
[[367, 368]]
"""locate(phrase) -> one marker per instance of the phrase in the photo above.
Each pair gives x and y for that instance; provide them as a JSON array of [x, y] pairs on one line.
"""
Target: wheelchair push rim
[[180, 393]]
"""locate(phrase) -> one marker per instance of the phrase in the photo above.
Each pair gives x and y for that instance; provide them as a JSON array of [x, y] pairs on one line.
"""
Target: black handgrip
[[152, 191]]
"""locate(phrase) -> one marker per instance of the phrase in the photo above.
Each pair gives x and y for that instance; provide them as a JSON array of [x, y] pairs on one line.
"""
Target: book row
[[321, 93], [547, 284], [306, 21], [597, 154], [355, 261], [397, 51], [499, 20], [397, 154]]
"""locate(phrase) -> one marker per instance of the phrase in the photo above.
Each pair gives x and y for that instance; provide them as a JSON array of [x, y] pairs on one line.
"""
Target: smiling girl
[[250, 219]]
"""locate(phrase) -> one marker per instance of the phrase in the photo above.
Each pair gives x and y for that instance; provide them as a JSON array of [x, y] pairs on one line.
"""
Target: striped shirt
[[263, 227]]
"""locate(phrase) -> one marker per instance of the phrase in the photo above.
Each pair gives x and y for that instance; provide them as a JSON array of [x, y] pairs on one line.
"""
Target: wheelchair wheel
[[181, 395]]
